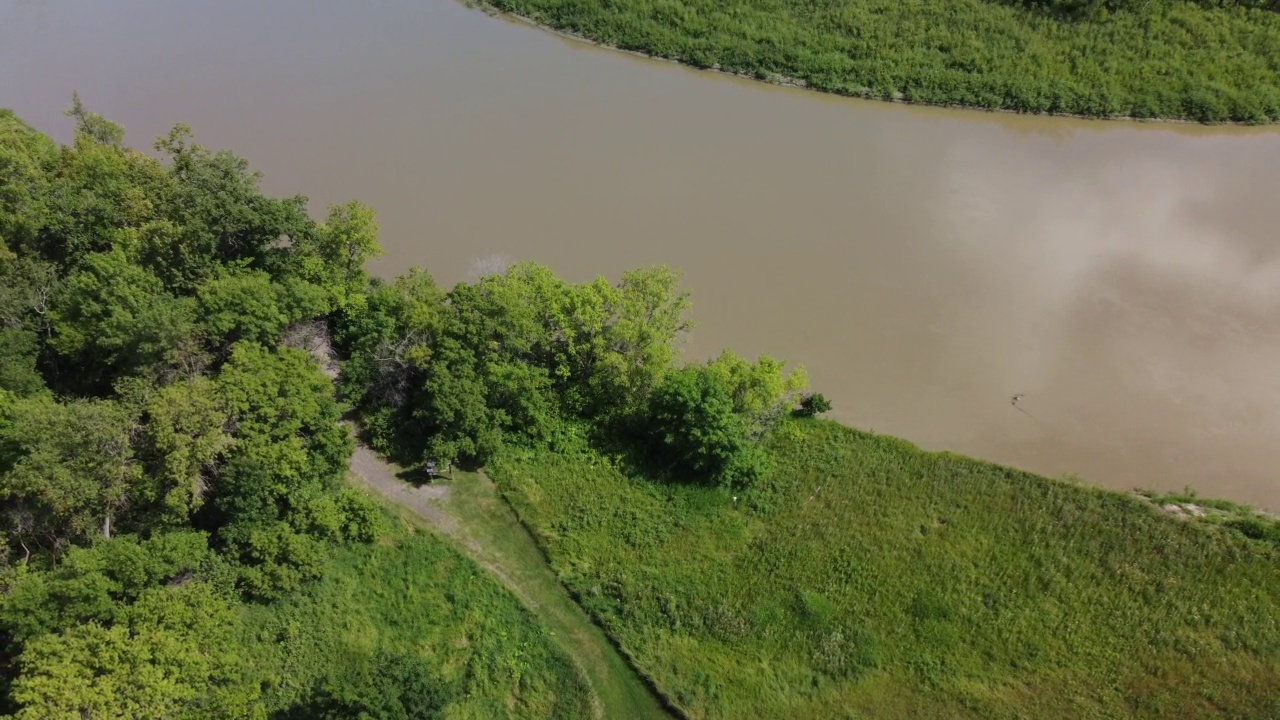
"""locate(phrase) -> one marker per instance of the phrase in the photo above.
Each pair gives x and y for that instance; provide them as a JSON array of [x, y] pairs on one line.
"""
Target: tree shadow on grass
[[401, 452], [638, 454]]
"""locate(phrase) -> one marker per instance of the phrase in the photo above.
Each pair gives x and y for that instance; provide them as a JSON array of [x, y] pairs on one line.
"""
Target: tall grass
[[413, 595], [1156, 58], [867, 578]]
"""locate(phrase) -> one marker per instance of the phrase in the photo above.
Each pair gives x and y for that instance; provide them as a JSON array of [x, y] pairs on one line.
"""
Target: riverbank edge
[[1186, 508], [1205, 511], [489, 8], [1208, 513]]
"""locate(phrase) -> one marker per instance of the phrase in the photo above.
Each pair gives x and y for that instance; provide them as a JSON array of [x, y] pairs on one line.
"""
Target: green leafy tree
[[115, 318], [347, 239], [579, 341], [96, 583], [161, 290], [93, 125], [649, 315], [389, 339], [172, 654], [219, 215], [449, 376], [489, 375], [27, 158], [95, 195], [813, 404], [183, 439], [762, 391], [456, 413], [242, 306], [27, 287], [284, 413], [455, 375], [692, 418], [19, 351], [301, 300], [67, 471], [251, 305], [345, 515], [288, 449], [276, 558]]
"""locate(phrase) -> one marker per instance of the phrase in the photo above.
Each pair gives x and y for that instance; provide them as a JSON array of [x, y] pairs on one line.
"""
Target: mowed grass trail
[[467, 510], [867, 578]]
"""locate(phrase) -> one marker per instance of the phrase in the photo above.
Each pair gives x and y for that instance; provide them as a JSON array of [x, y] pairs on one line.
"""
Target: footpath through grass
[[867, 578], [468, 509], [1211, 61]]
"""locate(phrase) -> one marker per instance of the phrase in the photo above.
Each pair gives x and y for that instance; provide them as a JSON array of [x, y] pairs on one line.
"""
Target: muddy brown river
[[924, 264]]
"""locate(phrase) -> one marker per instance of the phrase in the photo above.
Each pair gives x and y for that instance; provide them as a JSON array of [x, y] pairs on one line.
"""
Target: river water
[[924, 264]]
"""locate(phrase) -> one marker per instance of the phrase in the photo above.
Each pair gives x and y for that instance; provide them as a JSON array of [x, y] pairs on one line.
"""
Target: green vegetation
[[1207, 60], [866, 578], [1253, 523], [176, 539], [475, 516], [756, 562], [522, 359], [409, 604]]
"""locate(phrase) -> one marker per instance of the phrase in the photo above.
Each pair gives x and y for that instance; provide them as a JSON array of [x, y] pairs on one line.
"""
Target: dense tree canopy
[[527, 358], [162, 455], [171, 653]]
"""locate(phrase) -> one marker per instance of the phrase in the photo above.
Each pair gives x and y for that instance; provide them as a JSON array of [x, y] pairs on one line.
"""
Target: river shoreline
[[923, 263], [783, 81]]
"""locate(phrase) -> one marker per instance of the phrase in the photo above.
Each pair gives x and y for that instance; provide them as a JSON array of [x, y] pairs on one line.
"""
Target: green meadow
[[865, 578]]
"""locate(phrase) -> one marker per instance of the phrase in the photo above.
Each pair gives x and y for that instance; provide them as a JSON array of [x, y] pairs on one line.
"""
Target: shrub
[[1257, 528], [696, 430], [813, 404]]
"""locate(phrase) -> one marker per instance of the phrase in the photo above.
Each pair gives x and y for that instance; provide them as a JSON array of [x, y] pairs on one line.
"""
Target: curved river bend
[[926, 265]]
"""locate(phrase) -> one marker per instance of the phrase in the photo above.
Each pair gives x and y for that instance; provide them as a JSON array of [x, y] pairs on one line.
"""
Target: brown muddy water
[[924, 264]]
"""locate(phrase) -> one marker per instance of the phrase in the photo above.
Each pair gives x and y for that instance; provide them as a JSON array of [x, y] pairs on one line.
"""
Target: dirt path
[[423, 500], [469, 510]]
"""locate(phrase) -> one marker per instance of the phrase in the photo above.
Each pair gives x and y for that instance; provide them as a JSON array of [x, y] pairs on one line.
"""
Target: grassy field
[[1206, 61], [867, 578], [473, 516], [489, 527], [414, 595]]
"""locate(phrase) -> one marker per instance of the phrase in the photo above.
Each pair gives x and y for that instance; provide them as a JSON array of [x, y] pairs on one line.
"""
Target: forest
[[184, 363], [1203, 60], [176, 536]]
